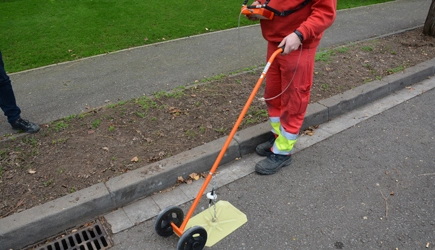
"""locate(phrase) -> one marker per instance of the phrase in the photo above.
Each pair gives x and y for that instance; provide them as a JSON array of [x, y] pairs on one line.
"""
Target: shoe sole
[[30, 132], [269, 172]]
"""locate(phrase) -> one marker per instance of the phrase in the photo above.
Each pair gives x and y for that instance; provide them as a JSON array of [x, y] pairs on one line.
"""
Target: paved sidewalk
[[53, 92]]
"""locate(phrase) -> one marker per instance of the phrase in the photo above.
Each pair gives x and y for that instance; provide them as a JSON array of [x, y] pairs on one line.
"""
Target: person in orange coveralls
[[290, 77]]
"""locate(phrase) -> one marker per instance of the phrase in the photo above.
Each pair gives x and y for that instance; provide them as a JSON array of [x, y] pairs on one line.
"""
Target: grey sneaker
[[273, 163], [25, 126], [263, 149]]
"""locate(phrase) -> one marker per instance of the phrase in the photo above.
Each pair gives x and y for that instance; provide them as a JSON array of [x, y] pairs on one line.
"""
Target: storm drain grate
[[91, 238]]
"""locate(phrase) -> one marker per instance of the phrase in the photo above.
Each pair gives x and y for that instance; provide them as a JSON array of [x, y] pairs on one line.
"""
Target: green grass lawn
[[36, 33]]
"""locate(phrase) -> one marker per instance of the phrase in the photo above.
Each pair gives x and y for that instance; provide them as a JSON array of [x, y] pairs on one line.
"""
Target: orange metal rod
[[179, 231]]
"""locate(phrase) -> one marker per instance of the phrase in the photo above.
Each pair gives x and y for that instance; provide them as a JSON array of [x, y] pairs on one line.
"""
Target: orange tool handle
[[179, 231]]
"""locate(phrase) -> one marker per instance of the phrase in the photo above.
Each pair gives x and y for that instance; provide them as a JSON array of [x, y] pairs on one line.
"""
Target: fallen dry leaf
[[135, 159], [309, 132], [194, 176], [174, 110], [20, 202], [31, 171], [153, 159], [180, 179]]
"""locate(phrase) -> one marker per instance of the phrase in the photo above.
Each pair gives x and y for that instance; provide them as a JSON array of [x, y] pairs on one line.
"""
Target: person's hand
[[290, 43], [252, 18]]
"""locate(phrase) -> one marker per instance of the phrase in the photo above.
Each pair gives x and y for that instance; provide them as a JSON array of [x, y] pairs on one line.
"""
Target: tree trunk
[[429, 24]]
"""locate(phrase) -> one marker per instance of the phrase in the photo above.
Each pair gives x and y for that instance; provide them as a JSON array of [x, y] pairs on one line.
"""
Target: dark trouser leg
[[7, 97]]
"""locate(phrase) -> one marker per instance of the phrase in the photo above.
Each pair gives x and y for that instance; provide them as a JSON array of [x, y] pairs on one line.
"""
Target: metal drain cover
[[93, 237]]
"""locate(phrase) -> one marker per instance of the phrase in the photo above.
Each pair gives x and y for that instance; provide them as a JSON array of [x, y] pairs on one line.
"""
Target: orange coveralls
[[287, 111]]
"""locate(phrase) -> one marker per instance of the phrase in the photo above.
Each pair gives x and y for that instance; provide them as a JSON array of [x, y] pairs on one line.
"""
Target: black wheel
[[163, 222], [193, 239]]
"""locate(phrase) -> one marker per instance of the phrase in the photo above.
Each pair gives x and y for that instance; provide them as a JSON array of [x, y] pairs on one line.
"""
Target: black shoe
[[263, 149], [273, 163], [25, 126]]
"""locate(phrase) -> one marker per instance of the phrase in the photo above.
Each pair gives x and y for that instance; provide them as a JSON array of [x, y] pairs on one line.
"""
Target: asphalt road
[[370, 186]]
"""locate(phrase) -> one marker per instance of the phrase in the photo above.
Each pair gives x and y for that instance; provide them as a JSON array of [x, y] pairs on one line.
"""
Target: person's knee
[[5, 81]]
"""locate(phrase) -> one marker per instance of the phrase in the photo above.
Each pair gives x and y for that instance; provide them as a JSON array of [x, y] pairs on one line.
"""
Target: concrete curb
[[38, 223]]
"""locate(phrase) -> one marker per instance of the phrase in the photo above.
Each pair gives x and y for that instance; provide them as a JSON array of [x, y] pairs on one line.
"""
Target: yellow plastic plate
[[228, 219]]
